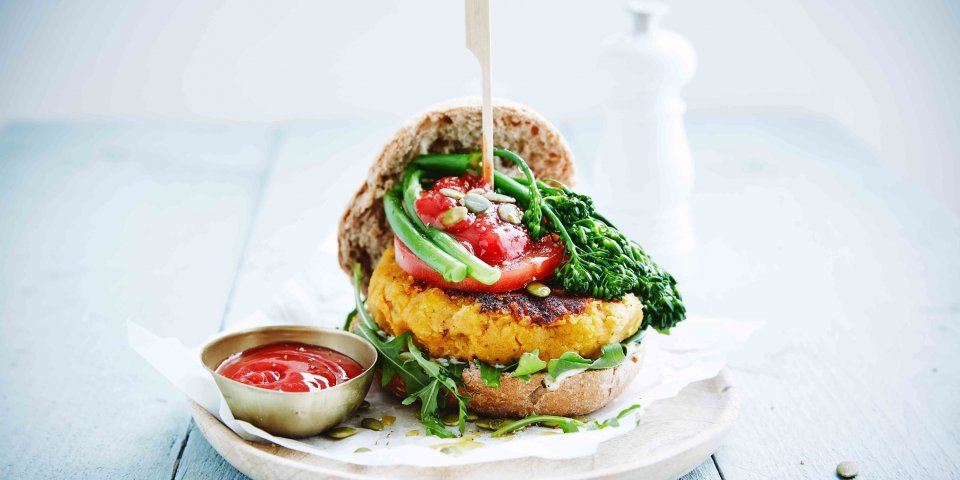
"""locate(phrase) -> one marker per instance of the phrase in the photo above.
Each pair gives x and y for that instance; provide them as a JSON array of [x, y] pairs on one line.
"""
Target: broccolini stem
[[533, 215]]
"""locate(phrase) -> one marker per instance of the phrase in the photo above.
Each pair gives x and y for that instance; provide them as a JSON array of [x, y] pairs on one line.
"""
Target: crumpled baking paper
[[321, 296]]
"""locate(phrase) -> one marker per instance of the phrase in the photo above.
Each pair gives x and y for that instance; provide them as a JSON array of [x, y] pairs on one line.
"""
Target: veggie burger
[[508, 298]]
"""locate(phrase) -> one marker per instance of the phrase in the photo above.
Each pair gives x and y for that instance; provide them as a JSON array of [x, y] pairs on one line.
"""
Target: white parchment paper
[[321, 295]]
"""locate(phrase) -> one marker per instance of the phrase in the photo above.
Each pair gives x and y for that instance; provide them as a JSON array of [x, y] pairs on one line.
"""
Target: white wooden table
[[187, 227]]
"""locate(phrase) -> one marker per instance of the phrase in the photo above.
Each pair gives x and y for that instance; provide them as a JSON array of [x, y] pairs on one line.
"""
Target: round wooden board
[[675, 436]]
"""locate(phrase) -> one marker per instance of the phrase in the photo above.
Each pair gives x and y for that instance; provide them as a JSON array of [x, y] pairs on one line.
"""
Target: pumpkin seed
[[499, 197], [450, 450], [413, 433], [364, 405], [538, 289], [452, 193], [388, 420], [848, 469], [361, 450], [339, 433], [453, 216], [491, 423], [371, 424], [450, 418], [509, 213], [475, 203]]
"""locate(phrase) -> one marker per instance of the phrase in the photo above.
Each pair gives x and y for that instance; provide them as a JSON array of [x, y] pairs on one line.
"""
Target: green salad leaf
[[568, 425], [611, 355], [489, 374], [529, 364], [637, 337], [391, 361], [615, 420], [428, 408], [445, 379], [430, 382], [455, 369], [567, 362], [349, 319]]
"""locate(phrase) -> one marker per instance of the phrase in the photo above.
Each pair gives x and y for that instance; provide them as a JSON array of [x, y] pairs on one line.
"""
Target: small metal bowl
[[286, 414]]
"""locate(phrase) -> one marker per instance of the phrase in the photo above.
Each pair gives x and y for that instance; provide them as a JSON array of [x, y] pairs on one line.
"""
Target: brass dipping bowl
[[286, 414]]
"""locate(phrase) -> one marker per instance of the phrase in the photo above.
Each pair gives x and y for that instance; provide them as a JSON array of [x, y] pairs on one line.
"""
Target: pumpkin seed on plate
[[339, 433], [361, 450], [848, 469], [509, 213], [364, 405], [450, 450], [450, 418], [453, 216], [491, 423], [371, 424], [388, 420], [475, 203], [538, 289], [499, 197], [452, 193], [413, 433]]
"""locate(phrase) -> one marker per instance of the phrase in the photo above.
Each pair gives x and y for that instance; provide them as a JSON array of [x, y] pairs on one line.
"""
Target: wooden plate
[[675, 436]]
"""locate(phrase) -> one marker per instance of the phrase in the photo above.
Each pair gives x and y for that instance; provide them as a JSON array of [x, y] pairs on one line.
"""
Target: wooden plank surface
[[858, 276], [100, 223], [856, 273]]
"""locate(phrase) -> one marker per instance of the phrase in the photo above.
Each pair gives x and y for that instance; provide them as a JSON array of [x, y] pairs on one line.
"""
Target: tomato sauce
[[290, 367]]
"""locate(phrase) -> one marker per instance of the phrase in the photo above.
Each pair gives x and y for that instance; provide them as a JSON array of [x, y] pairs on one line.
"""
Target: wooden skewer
[[478, 41]]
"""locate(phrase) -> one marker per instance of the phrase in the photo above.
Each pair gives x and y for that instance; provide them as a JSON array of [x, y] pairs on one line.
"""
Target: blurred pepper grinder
[[643, 173]]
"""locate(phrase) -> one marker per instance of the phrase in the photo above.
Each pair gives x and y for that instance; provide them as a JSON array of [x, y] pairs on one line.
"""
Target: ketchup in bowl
[[290, 367]]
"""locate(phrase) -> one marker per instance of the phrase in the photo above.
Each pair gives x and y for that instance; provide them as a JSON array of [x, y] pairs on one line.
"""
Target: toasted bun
[[577, 395], [452, 127]]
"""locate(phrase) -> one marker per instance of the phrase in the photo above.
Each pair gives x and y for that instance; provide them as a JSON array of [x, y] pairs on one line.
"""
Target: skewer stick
[[478, 41]]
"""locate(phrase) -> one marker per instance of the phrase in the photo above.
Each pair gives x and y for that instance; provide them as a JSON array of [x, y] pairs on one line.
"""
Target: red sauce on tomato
[[290, 367], [485, 234]]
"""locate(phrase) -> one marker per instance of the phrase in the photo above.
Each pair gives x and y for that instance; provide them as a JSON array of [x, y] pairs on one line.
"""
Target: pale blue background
[[175, 163], [884, 70]]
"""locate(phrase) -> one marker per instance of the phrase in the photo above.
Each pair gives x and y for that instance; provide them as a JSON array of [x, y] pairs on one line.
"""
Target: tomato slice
[[537, 263]]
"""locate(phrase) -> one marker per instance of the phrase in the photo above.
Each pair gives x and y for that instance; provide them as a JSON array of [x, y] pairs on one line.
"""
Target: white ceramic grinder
[[643, 173]]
